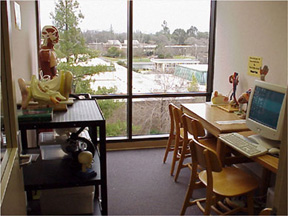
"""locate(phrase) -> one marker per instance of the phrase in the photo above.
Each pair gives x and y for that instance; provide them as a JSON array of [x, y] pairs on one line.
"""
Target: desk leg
[[265, 181], [221, 151], [102, 136], [24, 140]]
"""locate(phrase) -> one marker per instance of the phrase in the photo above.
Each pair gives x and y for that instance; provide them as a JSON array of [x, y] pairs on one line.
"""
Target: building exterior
[[188, 71], [168, 65]]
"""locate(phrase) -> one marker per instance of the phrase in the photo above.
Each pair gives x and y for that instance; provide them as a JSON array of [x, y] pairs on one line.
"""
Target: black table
[[49, 174]]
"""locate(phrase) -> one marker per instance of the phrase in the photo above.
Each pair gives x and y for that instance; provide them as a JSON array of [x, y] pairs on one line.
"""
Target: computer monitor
[[266, 110]]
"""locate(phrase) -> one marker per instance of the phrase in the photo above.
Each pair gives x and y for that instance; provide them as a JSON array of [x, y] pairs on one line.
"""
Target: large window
[[135, 57]]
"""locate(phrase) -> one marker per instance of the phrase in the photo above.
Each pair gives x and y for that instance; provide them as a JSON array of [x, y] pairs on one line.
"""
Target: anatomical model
[[47, 55], [51, 88], [46, 91]]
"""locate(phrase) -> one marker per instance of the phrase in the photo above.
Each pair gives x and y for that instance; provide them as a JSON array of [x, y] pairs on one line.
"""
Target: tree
[[166, 30], [193, 86], [204, 35], [192, 31], [114, 52], [66, 18], [179, 35]]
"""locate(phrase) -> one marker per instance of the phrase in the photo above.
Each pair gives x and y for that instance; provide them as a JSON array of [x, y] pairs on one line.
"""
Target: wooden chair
[[179, 135], [220, 183], [192, 127], [176, 135], [170, 144]]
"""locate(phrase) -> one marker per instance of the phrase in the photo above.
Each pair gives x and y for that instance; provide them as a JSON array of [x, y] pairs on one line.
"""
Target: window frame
[[7, 98], [130, 95]]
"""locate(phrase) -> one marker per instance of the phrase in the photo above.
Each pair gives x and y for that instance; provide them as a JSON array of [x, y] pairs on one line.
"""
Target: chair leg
[[168, 147], [209, 201], [250, 203], [180, 164], [189, 192], [175, 155]]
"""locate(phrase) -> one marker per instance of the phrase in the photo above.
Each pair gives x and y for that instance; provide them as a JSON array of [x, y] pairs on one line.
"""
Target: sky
[[148, 14]]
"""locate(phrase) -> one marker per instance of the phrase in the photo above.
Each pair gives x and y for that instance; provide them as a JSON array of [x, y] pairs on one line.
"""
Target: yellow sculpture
[[46, 91], [218, 98]]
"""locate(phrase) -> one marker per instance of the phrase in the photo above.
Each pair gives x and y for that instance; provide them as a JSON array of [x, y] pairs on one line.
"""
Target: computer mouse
[[274, 151]]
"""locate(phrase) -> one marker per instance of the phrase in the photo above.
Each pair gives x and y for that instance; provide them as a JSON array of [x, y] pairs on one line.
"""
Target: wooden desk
[[208, 115], [267, 161], [83, 113]]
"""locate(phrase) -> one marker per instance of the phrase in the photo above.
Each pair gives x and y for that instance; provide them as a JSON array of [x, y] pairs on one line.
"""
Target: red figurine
[[234, 79]]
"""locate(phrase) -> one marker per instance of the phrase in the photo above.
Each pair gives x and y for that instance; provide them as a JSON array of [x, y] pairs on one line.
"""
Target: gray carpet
[[140, 184]]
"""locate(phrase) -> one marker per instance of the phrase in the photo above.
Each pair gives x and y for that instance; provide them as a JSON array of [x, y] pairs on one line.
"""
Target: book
[[35, 114]]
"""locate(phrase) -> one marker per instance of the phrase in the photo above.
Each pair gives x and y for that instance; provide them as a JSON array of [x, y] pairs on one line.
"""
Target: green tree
[[179, 35], [193, 86], [165, 29], [192, 31], [66, 18], [204, 35], [114, 52]]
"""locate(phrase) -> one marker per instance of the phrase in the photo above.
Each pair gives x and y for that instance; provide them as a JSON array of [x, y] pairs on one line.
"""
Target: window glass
[[170, 55], [96, 48], [151, 115], [170, 46], [115, 113]]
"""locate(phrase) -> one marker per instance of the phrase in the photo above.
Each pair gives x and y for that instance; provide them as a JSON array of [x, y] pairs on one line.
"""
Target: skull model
[[50, 32]]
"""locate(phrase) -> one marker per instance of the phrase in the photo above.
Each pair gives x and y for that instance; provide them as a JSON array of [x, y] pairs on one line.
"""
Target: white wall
[[246, 28], [24, 44]]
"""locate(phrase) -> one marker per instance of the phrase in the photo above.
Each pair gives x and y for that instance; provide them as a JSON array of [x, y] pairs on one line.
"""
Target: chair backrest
[[172, 120], [192, 126], [177, 113], [204, 156]]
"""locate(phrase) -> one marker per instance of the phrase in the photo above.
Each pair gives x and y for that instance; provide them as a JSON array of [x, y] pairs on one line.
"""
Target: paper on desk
[[242, 121]]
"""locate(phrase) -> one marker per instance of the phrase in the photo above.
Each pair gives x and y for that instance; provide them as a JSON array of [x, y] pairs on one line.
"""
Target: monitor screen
[[266, 106], [266, 109]]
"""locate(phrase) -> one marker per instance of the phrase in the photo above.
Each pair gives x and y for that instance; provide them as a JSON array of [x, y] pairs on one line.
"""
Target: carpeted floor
[[140, 184]]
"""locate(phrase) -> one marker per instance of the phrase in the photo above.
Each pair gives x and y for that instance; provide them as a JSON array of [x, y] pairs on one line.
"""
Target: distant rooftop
[[198, 67], [175, 61]]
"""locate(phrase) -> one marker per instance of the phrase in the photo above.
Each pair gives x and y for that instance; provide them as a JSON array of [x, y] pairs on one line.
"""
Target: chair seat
[[207, 141], [231, 181]]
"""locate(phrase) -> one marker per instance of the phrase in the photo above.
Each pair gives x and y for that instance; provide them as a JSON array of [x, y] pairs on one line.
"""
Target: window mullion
[[210, 74], [129, 66]]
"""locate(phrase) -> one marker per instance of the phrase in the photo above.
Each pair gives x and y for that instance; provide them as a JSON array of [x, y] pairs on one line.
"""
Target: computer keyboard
[[243, 145]]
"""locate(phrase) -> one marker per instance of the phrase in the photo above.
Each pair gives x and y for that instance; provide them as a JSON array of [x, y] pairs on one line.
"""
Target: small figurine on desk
[[243, 99], [264, 72], [47, 55], [218, 98], [234, 79], [86, 158]]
